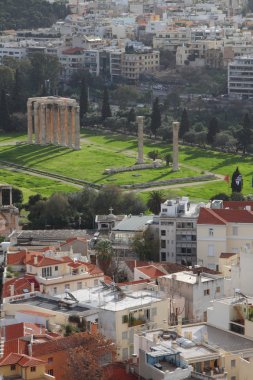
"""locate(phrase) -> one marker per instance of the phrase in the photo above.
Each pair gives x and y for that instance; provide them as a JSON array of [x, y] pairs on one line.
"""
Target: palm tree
[[156, 197], [104, 253]]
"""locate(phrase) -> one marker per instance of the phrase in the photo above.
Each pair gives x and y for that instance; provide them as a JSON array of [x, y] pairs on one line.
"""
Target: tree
[[237, 181], [5, 122], [155, 199], [168, 158], [17, 197], [220, 196], [104, 253], [184, 124], [155, 117], [153, 154], [106, 110], [245, 133], [17, 101], [87, 359], [83, 99], [146, 246], [45, 72], [213, 129]]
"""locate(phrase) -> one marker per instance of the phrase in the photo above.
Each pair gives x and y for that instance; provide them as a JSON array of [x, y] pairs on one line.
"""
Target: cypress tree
[[237, 181], [213, 129], [155, 117], [83, 99], [106, 110], [245, 134], [17, 104], [5, 122], [184, 124]]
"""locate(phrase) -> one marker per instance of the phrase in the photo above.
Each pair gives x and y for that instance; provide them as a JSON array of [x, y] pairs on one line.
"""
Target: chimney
[[11, 290], [41, 288], [32, 287], [35, 260]]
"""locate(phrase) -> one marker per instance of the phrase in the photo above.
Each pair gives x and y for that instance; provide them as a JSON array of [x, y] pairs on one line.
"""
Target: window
[[163, 243], [79, 285], [235, 231], [50, 360], [67, 286], [210, 250], [232, 363], [218, 289], [153, 311], [164, 209], [163, 256], [50, 372], [124, 335], [33, 369], [56, 268], [210, 231], [47, 272], [13, 367], [163, 232], [206, 292], [233, 377], [95, 282], [55, 290]]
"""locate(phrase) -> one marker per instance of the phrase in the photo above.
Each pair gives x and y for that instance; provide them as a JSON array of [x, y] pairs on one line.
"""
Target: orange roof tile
[[151, 271], [19, 330], [44, 261], [223, 216], [21, 359], [20, 285], [34, 312], [226, 255], [209, 216], [237, 204]]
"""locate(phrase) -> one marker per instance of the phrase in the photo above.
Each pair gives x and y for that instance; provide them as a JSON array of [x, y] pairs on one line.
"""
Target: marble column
[[66, 126], [48, 125], [55, 124], [10, 196], [42, 124], [36, 122], [175, 126], [140, 122], [51, 120], [62, 124], [1, 197], [30, 121], [77, 128], [70, 127], [73, 122]]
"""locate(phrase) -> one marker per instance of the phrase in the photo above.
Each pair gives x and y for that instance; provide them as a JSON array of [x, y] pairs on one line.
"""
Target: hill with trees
[[27, 14]]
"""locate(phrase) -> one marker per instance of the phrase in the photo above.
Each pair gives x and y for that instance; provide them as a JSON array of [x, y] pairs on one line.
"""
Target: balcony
[[132, 321]]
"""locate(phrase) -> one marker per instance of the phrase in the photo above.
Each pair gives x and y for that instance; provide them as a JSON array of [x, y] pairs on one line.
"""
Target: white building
[[177, 231], [197, 289], [240, 77]]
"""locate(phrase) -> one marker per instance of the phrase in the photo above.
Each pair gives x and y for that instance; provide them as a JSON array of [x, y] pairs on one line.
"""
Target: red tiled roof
[[172, 267], [209, 216], [22, 360], [118, 371], [17, 258], [44, 261], [151, 271], [20, 285], [73, 50], [236, 205], [226, 255], [223, 216], [136, 263]]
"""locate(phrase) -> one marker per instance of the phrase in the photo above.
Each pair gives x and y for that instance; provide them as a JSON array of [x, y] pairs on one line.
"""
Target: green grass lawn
[[31, 185], [109, 150]]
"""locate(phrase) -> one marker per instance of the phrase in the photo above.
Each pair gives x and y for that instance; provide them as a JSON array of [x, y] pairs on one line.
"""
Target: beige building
[[138, 62], [222, 230], [58, 274]]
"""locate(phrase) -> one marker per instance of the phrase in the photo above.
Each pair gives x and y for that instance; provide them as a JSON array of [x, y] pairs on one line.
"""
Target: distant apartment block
[[138, 62], [240, 77]]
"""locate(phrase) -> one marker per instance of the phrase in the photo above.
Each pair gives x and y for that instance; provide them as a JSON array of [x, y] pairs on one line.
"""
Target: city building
[[177, 231], [198, 289], [221, 230], [240, 77], [140, 62]]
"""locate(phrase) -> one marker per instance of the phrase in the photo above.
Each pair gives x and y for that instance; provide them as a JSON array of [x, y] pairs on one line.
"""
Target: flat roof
[[113, 300], [133, 223], [52, 304], [191, 278]]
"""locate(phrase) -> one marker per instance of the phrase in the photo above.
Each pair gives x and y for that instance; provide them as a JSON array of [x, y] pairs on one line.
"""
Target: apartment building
[[138, 62], [198, 289], [177, 231], [72, 61], [57, 274], [240, 77], [171, 38], [222, 230], [14, 51]]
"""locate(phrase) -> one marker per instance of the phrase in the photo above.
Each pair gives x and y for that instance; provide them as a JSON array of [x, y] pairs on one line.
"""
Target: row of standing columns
[[53, 121]]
